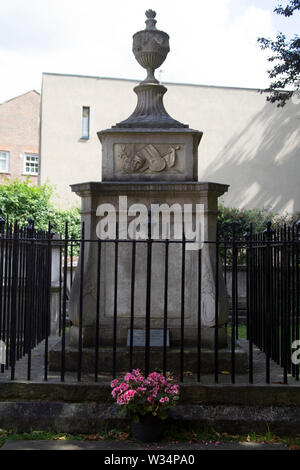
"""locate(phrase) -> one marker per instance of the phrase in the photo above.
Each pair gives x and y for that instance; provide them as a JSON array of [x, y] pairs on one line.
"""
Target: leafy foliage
[[59, 217], [22, 200], [243, 218], [235, 220], [289, 9], [286, 59]]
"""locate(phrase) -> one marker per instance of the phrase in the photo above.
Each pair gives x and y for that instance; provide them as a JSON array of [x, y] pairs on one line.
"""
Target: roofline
[[19, 96], [137, 81]]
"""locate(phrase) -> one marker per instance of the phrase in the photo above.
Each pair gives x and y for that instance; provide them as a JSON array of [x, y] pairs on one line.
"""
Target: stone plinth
[[173, 361], [93, 194]]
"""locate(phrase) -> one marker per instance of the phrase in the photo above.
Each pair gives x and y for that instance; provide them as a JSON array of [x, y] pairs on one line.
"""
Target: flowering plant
[[138, 396]]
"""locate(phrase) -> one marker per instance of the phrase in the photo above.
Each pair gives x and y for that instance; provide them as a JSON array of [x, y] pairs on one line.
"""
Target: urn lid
[[151, 23]]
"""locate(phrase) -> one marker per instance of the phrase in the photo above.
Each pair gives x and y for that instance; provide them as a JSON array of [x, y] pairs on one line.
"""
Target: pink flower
[[135, 389], [164, 400], [126, 397], [172, 389], [129, 394], [129, 377], [115, 391], [123, 386], [157, 379]]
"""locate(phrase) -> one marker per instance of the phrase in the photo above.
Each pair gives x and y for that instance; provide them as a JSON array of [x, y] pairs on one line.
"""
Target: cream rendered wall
[[65, 157], [248, 143]]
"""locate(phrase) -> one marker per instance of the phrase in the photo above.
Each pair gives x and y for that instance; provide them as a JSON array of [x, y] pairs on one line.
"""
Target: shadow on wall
[[262, 162]]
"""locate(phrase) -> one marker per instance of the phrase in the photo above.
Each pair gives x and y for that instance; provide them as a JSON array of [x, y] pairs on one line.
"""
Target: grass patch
[[242, 331]]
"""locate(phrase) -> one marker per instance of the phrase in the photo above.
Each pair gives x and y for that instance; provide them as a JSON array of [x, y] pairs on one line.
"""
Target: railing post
[[97, 336], [285, 313], [182, 307], [30, 275], [148, 298], [297, 296], [115, 318], [64, 306], [2, 254], [216, 353], [80, 345], [14, 293], [48, 312], [234, 315], [268, 234], [249, 287], [55, 262]]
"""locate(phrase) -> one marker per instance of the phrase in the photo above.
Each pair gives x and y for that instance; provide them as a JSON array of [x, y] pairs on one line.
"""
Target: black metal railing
[[272, 291], [25, 276], [273, 295]]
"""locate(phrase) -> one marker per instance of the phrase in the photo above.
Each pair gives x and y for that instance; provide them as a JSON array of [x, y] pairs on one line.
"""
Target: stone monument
[[150, 158]]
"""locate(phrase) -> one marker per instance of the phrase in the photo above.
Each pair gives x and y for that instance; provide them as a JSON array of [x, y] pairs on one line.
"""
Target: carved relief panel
[[149, 158]]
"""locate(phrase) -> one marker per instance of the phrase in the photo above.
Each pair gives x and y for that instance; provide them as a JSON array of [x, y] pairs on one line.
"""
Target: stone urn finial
[[150, 47]]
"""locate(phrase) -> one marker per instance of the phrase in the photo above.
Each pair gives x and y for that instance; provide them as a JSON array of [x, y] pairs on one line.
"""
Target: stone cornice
[[91, 188]]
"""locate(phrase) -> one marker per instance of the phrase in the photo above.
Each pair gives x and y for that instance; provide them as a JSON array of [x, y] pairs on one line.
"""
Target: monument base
[[190, 336], [186, 195], [190, 361]]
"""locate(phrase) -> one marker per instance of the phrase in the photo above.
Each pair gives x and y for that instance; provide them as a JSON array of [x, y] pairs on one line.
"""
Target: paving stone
[[130, 445], [37, 370]]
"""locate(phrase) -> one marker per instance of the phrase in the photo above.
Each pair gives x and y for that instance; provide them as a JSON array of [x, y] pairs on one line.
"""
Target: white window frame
[[7, 161], [85, 123], [31, 173]]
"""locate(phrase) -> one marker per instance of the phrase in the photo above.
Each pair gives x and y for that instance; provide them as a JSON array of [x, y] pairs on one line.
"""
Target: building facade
[[247, 142], [19, 137]]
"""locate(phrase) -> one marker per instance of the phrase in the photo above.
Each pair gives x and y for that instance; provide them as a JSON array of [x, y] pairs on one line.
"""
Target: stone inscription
[[156, 338]]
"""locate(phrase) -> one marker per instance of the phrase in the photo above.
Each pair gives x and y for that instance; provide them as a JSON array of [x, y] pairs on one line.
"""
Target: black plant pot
[[148, 429]]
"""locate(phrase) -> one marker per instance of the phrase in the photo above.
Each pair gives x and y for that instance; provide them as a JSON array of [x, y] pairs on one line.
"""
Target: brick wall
[[19, 132]]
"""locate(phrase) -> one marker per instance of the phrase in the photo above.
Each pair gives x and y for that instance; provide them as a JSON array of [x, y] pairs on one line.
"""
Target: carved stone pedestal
[[94, 194]]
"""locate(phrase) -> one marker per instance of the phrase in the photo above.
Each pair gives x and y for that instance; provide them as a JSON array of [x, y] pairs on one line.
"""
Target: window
[[4, 162], [85, 130], [31, 164]]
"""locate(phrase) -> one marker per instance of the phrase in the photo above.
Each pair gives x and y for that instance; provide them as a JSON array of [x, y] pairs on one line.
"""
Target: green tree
[[22, 200], [242, 219], [285, 73]]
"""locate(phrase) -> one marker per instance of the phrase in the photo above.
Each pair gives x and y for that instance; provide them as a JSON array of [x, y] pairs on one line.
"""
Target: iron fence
[[25, 274], [272, 292]]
